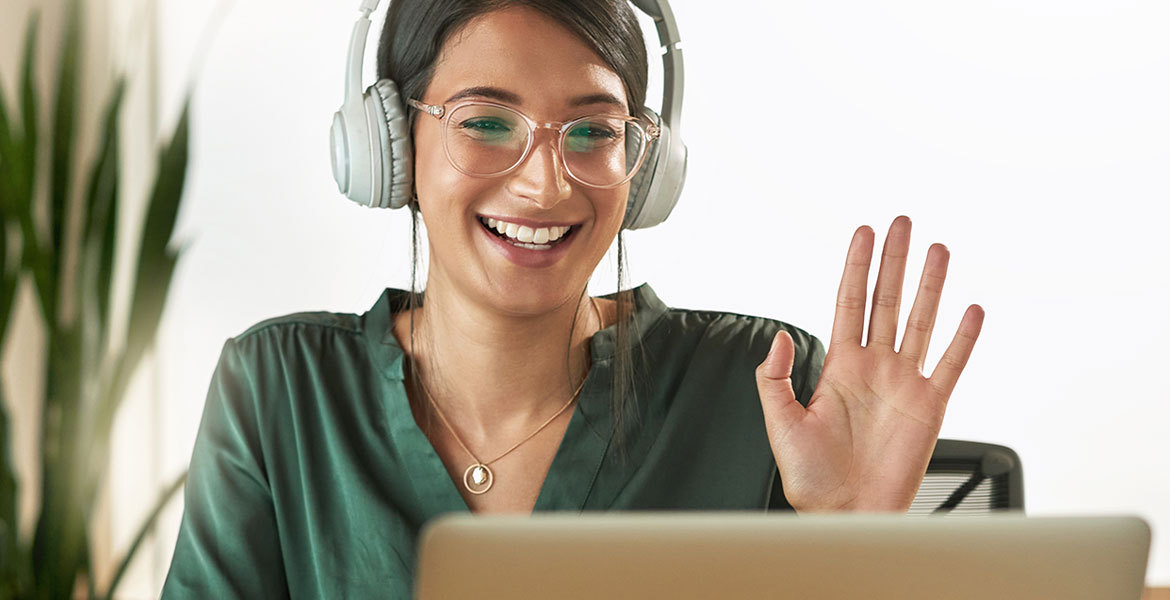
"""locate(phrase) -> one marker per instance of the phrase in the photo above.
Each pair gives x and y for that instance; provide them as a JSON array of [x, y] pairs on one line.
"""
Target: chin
[[532, 295], [533, 282]]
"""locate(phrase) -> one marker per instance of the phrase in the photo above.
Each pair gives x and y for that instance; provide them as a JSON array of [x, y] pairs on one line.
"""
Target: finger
[[887, 293], [850, 315], [920, 324], [774, 382], [954, 360]]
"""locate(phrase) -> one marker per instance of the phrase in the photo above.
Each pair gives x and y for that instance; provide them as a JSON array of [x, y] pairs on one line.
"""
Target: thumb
[[774, 382]]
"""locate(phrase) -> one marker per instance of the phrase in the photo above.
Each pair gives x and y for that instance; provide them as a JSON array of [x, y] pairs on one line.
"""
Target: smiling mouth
[[522, 236]]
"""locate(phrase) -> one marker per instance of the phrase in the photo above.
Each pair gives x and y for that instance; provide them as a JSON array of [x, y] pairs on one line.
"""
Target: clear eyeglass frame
[[650, 132]]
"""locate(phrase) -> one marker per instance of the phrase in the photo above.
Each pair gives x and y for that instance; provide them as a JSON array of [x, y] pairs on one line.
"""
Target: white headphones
[[370, 137]]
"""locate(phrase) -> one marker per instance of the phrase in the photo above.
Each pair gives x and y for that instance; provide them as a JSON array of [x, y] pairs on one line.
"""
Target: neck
[[495, 374]]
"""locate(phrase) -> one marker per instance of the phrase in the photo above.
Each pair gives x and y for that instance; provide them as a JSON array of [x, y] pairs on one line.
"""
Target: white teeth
[[527, 237]]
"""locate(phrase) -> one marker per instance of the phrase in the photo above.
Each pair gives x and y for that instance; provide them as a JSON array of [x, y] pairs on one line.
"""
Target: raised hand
[[867, 435]]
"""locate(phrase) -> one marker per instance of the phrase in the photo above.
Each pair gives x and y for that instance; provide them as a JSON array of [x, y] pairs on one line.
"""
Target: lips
[[556, 240]]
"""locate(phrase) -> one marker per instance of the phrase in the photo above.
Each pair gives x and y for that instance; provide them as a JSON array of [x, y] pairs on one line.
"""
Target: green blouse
[[310, 478]]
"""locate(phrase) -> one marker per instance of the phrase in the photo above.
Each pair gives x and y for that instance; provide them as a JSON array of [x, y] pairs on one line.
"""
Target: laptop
[[757, 555]]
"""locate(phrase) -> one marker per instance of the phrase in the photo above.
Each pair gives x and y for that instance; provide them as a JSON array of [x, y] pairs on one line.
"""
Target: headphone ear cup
[[656, 187], [397, 155], [640, 184], [370, 145], [348, 147]]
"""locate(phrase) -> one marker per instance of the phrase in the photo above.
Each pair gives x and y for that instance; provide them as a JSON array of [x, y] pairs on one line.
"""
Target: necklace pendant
[[478, 478]]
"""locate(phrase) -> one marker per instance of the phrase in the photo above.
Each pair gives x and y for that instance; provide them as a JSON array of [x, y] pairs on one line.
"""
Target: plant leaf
[[17, 164], [11, 168], [101, 220], [7, 282], [156, 262], [28, 99], [35, 256], [20, 170], [143, 530], [9, 490], [64, 134], [8, 194], [59, 539], [8, 212], [156, 265]]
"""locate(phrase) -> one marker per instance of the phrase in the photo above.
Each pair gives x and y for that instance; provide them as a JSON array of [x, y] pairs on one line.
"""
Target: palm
[[867, 435]]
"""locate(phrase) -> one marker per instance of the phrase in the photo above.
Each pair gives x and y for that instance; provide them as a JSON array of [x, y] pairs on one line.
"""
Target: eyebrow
[[502, 95]]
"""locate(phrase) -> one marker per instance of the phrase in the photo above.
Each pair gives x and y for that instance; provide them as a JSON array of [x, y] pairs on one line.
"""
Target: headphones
[[373, 162]]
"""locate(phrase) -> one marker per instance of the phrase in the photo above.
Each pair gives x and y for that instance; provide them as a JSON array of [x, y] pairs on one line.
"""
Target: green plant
[[84, 383]]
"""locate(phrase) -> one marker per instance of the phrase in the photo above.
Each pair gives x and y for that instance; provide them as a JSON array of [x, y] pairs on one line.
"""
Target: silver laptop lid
[[756, 555]]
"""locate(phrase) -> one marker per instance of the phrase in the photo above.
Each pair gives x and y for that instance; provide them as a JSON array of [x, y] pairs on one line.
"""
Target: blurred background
[[1032, 137]]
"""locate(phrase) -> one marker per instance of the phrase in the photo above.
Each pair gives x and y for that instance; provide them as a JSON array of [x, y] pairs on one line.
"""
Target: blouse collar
[[388, 354]]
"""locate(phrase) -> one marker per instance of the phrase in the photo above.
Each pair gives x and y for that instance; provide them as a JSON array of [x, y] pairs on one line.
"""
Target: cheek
[[615, 209], [435, 179], [443, 192], [432, 173]]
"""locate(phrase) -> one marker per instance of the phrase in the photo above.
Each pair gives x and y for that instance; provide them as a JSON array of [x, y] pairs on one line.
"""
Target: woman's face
[[545, 67]]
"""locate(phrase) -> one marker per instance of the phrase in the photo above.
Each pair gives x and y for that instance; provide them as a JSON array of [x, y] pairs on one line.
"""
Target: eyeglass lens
[[486, 140]]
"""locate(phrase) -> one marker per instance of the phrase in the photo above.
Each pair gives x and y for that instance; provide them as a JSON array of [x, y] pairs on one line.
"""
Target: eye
[[593, 131], [487, 125], [594, 135], [487, 130]]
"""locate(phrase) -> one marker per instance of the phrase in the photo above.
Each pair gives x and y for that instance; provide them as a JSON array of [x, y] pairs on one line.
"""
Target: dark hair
[[412, 37]]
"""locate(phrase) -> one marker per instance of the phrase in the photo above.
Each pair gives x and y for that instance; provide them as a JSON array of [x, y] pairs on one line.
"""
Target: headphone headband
[[370, 136], [672, 63]]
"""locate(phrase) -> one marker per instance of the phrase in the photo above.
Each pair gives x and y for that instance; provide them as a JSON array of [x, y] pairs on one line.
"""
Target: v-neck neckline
[[570, 475], [580, 453]]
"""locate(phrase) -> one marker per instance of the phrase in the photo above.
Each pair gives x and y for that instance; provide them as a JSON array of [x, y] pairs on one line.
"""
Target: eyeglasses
[[485, 139]]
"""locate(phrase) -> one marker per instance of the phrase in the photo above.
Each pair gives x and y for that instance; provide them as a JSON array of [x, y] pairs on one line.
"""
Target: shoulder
[[318, 321], [730, 331], [268, 351], [290, 371], [729, 334], [723, 348], [332, 341]]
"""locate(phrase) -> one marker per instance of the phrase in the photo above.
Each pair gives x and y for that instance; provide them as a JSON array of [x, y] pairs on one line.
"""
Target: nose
[[541, 177]]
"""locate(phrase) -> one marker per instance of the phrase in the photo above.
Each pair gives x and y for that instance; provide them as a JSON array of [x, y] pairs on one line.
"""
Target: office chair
[[970, 479]]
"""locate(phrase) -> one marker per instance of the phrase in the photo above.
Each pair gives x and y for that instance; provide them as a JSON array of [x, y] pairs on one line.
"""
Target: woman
[[328, 440]]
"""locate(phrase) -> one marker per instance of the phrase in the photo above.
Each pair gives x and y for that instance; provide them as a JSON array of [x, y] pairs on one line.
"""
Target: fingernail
[[775, 343]]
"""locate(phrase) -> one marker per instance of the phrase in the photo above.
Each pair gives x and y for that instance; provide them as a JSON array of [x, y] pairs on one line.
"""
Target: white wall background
[[1032, 137]]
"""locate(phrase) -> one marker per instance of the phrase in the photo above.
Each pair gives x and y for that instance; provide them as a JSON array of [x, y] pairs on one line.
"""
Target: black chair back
[[970, 478]]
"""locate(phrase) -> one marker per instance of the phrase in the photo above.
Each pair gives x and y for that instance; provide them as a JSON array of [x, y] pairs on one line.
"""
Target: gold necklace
[[478, 477]]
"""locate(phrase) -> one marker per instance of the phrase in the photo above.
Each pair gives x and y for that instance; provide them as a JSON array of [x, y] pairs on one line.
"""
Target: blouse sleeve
[[228, 545], [810, 371]]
